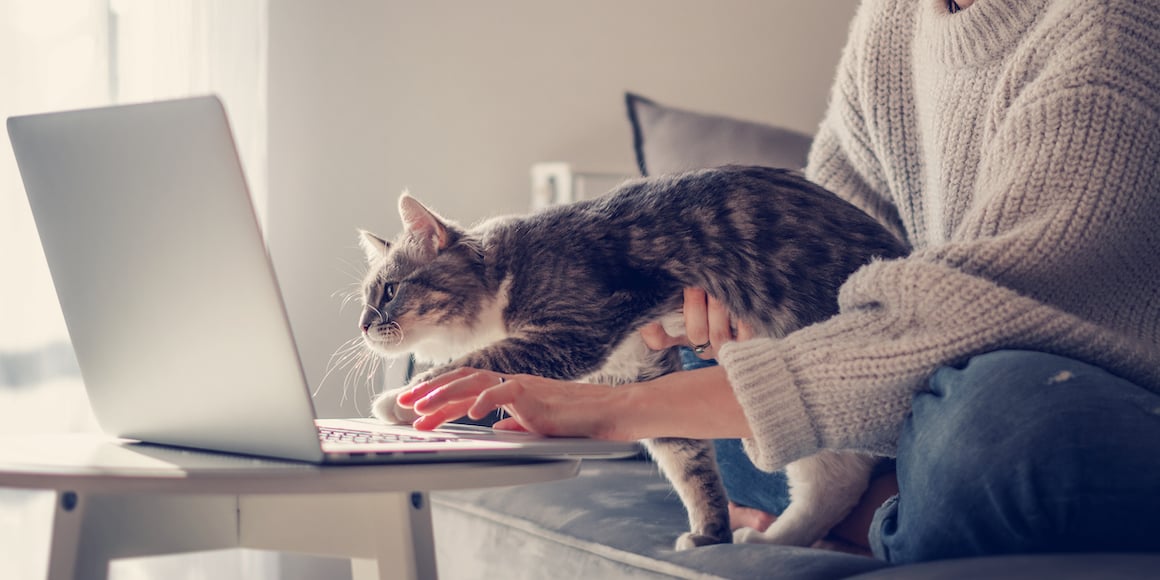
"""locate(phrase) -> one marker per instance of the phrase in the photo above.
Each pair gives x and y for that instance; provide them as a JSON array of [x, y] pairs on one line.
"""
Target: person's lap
[[1014, 452], [1024, 452]]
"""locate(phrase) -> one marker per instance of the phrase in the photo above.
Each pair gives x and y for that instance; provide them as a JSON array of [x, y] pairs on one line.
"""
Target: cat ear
[[374, 246], [421, 222]]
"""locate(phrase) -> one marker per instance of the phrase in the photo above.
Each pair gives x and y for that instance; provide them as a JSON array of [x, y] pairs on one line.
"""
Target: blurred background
[[337, 107]]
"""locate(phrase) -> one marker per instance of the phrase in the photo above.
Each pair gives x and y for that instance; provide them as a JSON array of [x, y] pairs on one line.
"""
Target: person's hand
[[536, 404], [674, 405], [708, 326]]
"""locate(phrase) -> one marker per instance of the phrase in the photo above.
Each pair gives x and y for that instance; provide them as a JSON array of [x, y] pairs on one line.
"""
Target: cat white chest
[[452, 342]]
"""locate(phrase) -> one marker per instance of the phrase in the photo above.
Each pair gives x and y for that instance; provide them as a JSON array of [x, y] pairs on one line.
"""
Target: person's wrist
[[626, 413], [645, 410], [697, 404]]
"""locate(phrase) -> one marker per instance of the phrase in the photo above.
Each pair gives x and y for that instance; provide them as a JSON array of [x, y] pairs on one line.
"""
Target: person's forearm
[[696, 404]]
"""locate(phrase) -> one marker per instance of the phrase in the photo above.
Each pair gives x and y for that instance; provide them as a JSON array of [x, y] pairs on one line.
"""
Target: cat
[[562, 293]]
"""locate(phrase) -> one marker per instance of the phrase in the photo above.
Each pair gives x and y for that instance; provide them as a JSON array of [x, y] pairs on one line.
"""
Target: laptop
[[171, 300]]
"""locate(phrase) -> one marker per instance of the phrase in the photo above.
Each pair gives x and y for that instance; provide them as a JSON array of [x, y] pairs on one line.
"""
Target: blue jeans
[[1022, 452]]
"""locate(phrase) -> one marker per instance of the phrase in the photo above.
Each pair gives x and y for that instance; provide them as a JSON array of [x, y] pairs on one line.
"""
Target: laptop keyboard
[[332, 435]]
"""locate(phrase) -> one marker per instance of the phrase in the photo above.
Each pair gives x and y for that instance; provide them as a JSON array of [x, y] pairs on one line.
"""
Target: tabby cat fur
[[562, 293]]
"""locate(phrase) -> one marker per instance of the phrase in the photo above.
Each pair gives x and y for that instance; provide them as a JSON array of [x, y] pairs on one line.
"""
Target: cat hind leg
[[824, 488]]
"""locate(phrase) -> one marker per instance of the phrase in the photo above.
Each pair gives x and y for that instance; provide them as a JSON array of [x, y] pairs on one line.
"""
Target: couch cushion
[[617, 519], [671, 140]]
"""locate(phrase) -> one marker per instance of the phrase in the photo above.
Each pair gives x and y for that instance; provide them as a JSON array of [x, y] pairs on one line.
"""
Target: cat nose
[[368, 319]]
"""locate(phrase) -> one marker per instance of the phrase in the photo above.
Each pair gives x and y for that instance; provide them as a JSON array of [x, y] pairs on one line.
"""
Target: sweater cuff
[[769, 396]]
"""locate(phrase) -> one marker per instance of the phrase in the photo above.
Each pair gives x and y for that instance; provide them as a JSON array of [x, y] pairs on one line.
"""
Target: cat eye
[[388, 292]]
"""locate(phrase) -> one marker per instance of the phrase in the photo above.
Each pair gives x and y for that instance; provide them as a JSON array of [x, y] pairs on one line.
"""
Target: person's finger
[[454, 400], [441, 416], [656, 338], [720, 330], [744, 331], [696, 316], [505, 393], [509, 424], [408, 397], [460, 389]]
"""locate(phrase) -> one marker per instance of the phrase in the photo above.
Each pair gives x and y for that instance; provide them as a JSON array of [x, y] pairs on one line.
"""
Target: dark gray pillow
[[669, 140]]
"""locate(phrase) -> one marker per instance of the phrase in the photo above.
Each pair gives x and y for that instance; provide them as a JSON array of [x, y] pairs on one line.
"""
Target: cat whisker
[[349, 294], [394, 333], [353, 286], [349, 298], [355, 269], [341, 357], [355, 272], [369, 374], [365, 368]]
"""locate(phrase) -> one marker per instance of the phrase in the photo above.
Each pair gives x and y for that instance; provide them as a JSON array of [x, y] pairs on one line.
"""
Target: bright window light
[[69, 54]]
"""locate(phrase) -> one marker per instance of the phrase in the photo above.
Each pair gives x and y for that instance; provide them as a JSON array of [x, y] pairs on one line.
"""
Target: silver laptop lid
[[163, 277]]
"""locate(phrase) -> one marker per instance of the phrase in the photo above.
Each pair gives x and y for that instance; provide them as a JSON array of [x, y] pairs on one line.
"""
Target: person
[[1011, 363]]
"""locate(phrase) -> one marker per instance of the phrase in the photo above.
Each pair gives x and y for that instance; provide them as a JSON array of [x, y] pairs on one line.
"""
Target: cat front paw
[[689, 540], [386, 408], [423, 377]]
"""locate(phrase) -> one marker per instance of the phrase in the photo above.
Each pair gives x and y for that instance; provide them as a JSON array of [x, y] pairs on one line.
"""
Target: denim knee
[[746, 484], [1019, 452]]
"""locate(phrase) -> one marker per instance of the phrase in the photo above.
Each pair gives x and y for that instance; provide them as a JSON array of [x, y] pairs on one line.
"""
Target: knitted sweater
[[1016, 145]]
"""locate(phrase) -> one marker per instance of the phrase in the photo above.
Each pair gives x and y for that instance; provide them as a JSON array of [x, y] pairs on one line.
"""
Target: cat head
[[424, 290]]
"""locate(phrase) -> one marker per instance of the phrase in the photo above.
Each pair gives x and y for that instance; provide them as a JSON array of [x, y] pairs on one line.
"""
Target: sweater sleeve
[[1056, 253]]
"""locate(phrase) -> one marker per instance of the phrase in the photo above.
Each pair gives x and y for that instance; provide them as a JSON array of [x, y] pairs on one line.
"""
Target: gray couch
[[620, 518]]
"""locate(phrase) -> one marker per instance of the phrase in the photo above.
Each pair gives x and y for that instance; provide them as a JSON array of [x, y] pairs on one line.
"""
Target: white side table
[[117, 499]]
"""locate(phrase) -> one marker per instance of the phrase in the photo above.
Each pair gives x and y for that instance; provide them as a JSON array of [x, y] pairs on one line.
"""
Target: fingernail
[[420, 404]]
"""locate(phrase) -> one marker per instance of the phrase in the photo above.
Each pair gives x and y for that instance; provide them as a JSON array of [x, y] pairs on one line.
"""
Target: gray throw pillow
[[669, 140]]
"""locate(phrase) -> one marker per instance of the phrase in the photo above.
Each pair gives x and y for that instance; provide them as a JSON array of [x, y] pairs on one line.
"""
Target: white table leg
[[385, 535], [67, 517], [89, 531]]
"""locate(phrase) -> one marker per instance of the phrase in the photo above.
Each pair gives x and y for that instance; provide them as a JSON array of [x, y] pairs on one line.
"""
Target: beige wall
[[456, 99]]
